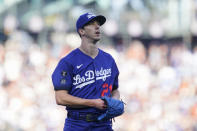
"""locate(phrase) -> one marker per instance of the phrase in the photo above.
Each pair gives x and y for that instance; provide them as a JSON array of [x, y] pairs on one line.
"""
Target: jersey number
[[106, 89]]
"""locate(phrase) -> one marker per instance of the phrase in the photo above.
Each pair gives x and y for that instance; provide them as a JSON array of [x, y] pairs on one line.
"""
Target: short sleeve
[[116, 75], [62, 76]]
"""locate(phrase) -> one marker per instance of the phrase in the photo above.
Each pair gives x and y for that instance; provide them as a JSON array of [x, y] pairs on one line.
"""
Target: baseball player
[[84, 76]]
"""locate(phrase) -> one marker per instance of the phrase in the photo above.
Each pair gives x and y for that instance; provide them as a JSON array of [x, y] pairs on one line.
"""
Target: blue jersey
[[85, 77]]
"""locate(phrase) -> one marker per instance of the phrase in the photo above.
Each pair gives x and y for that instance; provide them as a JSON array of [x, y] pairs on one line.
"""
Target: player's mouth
[[97, 33]]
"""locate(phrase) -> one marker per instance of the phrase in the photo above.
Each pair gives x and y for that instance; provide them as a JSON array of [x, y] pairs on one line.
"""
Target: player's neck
[[89, 49]]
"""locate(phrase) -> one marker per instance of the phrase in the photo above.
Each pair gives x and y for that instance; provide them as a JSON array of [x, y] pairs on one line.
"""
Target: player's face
[[92, 30]]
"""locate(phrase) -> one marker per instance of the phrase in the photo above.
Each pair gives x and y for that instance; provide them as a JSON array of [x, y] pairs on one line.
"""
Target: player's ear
[[81, 32]]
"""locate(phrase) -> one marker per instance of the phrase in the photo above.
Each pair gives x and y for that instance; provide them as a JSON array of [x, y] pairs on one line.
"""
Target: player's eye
[[95, 22], [92, 23]]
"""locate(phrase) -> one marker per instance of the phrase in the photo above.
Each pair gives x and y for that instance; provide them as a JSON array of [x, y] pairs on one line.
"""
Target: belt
[[89, 117]]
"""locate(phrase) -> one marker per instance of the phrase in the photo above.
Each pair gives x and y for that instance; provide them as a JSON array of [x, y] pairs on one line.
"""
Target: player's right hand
[[100, 104]]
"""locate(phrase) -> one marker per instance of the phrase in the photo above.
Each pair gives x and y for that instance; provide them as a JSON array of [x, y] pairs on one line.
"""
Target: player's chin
[[97, 38]]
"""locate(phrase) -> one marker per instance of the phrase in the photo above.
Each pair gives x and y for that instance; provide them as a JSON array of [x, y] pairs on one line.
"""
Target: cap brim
[[101, 19]]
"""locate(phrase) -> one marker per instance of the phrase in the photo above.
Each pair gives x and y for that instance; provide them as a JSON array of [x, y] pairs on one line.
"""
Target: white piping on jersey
[[85, 83]]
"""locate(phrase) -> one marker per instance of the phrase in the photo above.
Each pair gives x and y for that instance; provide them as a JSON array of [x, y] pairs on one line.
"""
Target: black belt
[[89, 117]]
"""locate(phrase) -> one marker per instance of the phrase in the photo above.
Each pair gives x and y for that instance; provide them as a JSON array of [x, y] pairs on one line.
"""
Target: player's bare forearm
[[65, 99], [116, 94]]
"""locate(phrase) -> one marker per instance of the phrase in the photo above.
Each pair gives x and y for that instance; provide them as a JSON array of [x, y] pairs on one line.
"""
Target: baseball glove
[[114, 108]]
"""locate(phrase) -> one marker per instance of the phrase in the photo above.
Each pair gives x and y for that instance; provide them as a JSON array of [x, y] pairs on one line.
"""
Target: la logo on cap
[[90, 15]]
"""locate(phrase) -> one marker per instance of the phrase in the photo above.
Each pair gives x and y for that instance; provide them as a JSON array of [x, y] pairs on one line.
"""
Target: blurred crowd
[[158, 83]]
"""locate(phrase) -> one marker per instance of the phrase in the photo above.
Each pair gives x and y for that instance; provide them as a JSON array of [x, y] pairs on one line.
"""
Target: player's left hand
[[114, 108]]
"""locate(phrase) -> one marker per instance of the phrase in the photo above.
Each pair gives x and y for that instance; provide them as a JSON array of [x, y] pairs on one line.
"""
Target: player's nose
[[97, 27]]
